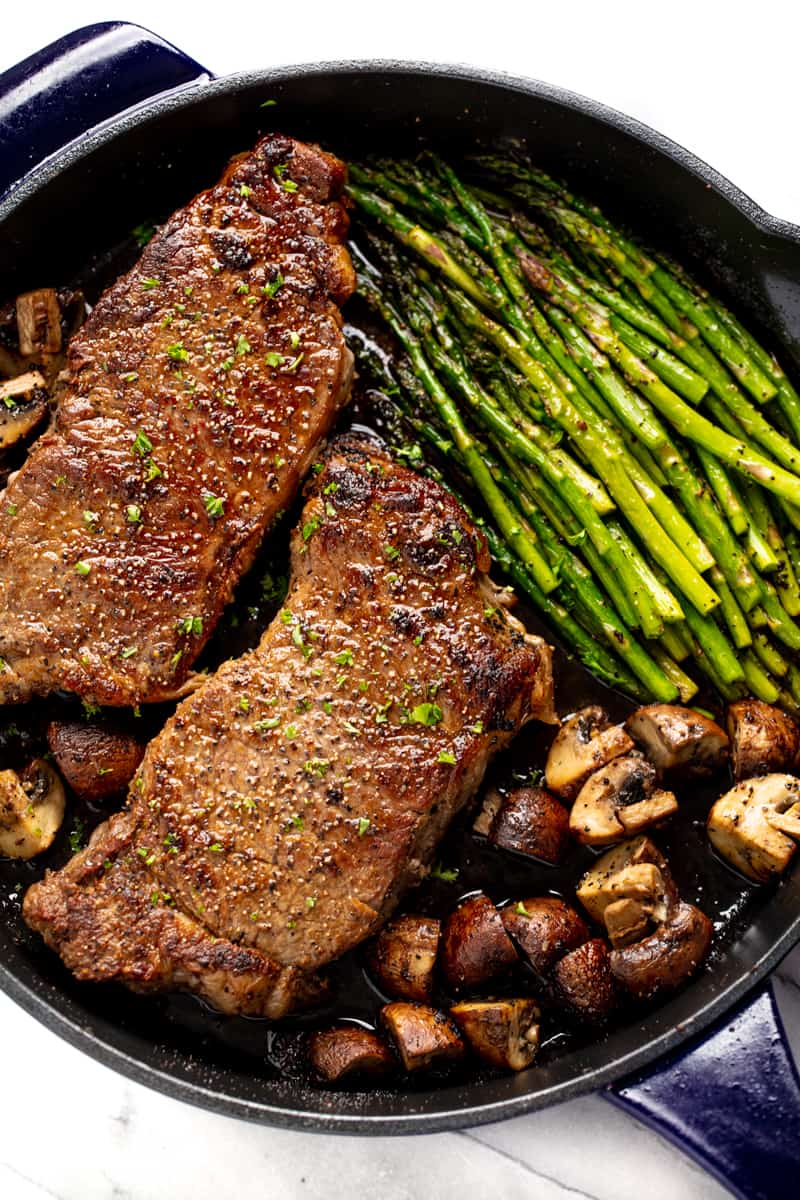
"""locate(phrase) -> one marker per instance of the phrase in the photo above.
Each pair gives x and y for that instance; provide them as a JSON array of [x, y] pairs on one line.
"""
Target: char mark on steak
[[194, 400], [291, 800]]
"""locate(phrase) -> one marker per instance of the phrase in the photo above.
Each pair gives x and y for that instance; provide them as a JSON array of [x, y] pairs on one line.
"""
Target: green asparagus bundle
[[628, 446]]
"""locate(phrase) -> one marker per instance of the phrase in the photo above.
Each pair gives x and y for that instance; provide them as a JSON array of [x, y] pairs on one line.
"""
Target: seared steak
[[288, 803], [194, 400]]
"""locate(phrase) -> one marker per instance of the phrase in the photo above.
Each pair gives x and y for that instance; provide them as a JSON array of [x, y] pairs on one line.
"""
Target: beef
[[290, 801], [193, 402]]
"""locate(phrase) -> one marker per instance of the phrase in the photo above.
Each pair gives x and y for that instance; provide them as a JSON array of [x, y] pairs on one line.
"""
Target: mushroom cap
[[750, 824], [402, 957], [617, 800], [665, 959], [678, 738], [32, 807], [546, 930], [585, 742], [635, 870], [23, 405], [531, 821], [763, 738], [97, 761], [584, 982], [422, 1035], [347, 1050], [475, 947], [503, 1032]]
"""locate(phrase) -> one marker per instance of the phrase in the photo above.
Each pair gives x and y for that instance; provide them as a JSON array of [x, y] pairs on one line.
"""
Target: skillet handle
[[732, 1102], [76, 83]]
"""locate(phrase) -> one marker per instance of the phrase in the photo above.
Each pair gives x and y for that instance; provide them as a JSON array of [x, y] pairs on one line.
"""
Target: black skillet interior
[[75, 225]]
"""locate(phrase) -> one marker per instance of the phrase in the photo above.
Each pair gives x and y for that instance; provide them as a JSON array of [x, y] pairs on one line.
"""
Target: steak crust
[[291, 800], [193, 402]]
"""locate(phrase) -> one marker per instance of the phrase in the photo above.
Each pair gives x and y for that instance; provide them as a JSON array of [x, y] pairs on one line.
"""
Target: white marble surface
[[721, 79]]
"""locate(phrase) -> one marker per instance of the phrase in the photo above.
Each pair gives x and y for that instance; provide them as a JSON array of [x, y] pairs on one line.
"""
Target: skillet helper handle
[[77, 83], [732, 1102]]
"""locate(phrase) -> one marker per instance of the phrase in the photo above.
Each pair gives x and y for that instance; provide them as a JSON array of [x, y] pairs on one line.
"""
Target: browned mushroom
[[349, 1050], [530, 821], [634, 873], [752, 825], [764, 739], [97, 761], [39, 323], [584, 982], [544, 928], [423, 1036], [503, 1032], [23, 405], [677, 738], [475, 945], [666, 958], [403, 956], [31, 809], [585, 742], [618, 800]]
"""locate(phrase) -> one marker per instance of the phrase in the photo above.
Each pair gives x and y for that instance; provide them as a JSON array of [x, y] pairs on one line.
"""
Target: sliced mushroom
[[636, 872], [619, 799], [424, 1036], [677, 738], [584, 982], [23, 405], [585, 742], [403, 956], [544, 928], [764, 739], [39, 323], [349, 1050], [97, 761], [475, 945], [665, 959], [750, 825], [531, 821], [503, 1032], [31, 809]]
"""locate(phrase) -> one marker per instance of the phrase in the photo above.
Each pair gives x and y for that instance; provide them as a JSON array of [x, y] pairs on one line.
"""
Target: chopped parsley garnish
[[391, 552], [244, 704], [178, 352], [191, 625], [297, 821], [242, 346], [268, 104], [344, 659], [128, 652], [152, 471], [310, 528], [142, 233], [142, 445], [216, 848], [310, 901], [294, 364], [90, 710], [146, 855], [267, 723], [83, 568], [520, 908], [477, 727], [214, 505], [176, 658], [290, 732], [149, 284], [316, 766], [279, 172], [90, 518], [446, 874], [12, 509], [294, 339], [274, 287], [426, 714], [446, 757], [76, 836], [130, 377], [363, 825], [244, 190], [273, 359]]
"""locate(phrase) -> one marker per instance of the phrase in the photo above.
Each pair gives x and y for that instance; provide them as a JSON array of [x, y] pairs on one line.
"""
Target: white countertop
[[719, 78]]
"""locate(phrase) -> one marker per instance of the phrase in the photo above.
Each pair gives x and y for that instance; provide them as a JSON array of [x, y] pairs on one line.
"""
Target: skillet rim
[[445, 1118]]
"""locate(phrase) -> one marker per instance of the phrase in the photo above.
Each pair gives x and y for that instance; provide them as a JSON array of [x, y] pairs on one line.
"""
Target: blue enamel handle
[[60, 93], [731, 1101]]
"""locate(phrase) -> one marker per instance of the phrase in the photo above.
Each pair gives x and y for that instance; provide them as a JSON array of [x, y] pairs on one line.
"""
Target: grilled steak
[[194, 400], [288, 803]]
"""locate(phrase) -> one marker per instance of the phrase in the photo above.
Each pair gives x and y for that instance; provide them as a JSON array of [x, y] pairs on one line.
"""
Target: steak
[[279, 816], [193, 402]]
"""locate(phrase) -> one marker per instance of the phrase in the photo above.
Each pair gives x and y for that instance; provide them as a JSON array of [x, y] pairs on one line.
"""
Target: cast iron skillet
[[111, 125]]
